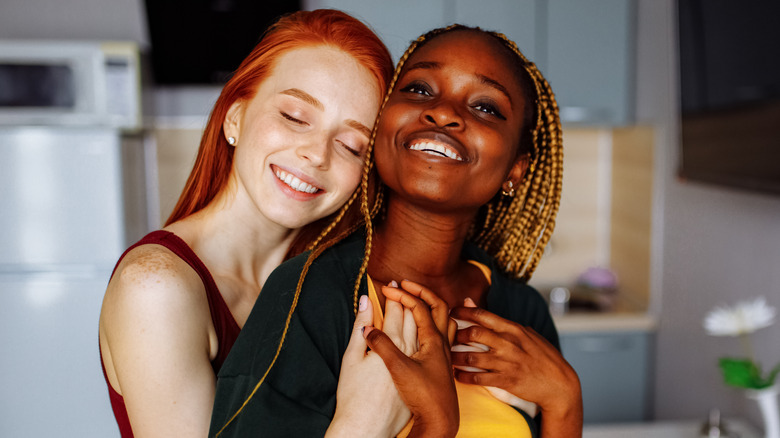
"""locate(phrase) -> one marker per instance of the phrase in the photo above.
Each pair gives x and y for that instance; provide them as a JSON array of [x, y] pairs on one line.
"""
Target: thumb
[[357, 343], [395, 360]]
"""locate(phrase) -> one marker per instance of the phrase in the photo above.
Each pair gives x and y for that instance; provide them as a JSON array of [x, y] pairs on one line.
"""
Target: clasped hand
[[407, 372]]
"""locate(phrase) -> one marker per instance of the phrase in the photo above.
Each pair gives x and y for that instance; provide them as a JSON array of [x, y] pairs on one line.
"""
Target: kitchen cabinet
[[589, 59], [584, 49], [397, 23], [614, 371]]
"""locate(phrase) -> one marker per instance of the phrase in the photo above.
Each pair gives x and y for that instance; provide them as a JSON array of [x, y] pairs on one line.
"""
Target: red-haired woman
[[282, 151]]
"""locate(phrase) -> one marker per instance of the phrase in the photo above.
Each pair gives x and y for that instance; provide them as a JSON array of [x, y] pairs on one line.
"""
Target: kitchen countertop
[[665, 429], [576, 322]]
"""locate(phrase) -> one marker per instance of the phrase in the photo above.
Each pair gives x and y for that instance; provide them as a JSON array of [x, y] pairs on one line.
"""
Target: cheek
[[347, 174]]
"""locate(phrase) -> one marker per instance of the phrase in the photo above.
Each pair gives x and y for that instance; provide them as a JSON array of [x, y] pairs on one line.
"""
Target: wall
[[712, 246]]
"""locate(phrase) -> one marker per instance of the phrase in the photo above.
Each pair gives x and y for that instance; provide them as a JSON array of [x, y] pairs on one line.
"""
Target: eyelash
[[423, 90], [349, 149], [293, 119], [489, 109], [417, 88]]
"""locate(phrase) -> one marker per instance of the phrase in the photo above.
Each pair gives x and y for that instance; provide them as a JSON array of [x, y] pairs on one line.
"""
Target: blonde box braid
[[512, 229]]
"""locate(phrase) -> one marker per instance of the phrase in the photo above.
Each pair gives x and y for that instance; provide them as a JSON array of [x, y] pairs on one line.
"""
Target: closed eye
[[293, 119], [350, 149]]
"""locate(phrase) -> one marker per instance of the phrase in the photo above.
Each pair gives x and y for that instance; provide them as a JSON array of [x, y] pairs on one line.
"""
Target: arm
[[525, 364], [155, 341]]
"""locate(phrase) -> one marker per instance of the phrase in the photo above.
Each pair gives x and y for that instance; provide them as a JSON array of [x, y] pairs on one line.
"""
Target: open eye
[[489, 108], [417, 87], [293, 119]]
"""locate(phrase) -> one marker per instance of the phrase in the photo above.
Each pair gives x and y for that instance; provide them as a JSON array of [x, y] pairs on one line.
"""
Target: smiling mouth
[[294, 183], [437, 149]]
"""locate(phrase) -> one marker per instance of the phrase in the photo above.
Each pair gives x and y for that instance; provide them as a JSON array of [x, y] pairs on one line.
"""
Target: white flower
[[745, 317]]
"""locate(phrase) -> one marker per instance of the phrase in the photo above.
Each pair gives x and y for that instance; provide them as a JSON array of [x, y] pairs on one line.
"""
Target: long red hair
[[329, 27]]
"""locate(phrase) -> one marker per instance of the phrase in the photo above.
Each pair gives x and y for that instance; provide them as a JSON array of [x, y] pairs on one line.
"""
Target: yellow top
[[481, 414]]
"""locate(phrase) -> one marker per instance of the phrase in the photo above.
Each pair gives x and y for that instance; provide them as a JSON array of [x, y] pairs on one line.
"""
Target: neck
[[235, 242], [422, 246]]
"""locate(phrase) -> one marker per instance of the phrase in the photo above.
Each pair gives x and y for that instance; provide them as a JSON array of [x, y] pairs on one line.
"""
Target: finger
[[395, 360], [357, 343], [481, 378], [410, 333], [439, 308], [420, 311], [476, 334], [482, 317], [452, 328], [392, 325], [474, 359]]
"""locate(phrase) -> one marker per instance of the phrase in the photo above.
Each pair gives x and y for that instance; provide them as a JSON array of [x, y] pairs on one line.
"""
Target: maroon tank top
[[225, 325]]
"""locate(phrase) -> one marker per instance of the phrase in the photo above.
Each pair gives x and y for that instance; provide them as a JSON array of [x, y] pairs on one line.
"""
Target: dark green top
[[298, 398]]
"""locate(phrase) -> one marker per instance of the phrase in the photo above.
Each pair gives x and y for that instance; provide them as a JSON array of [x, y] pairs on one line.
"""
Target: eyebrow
[[304, 96], [311, 100], [354, 124], [495, 84], [424, 65], [429, 65]]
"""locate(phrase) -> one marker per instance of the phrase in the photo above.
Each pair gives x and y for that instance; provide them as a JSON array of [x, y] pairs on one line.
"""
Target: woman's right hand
[[424, 379]]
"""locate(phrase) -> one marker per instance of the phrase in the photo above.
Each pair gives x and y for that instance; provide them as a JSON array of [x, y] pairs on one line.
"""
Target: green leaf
[[741, 373]]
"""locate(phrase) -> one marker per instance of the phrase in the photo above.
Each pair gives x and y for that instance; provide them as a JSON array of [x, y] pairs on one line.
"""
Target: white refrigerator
[[62, 228]]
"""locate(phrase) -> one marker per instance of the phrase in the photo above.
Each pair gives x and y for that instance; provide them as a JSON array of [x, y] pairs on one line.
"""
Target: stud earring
[[508, 189], [231, 141]]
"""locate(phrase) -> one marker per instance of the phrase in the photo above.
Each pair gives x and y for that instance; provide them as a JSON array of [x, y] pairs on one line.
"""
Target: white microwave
[[70, 83]]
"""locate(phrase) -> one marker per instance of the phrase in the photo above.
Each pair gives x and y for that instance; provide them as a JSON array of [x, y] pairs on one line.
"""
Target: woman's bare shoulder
[[151, 278]]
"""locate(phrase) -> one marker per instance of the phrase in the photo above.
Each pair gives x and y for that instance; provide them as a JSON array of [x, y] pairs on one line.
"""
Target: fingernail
[[363, 303], [393, 284], [468, 302]]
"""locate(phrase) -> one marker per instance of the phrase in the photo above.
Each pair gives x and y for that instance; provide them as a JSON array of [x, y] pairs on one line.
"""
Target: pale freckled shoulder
[[154, 272]]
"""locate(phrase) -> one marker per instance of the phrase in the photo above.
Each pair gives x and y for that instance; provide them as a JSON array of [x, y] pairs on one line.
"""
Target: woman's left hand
[[523, 363]]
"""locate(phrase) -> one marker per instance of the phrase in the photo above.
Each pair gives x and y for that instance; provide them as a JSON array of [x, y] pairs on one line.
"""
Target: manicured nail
[[393, 284], [363, 303]]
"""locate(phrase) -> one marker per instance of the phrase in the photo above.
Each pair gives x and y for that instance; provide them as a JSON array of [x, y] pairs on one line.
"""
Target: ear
[[232, 123], [517, 172]]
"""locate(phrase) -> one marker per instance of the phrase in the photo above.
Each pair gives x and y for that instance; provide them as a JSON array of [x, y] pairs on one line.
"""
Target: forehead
[[479, 50]]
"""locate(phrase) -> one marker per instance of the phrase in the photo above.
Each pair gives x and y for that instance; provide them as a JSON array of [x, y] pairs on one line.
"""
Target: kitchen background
[[678, 247]]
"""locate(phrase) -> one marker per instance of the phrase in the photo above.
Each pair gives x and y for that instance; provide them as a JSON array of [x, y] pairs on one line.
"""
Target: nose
[[316, 151], [443, 114]]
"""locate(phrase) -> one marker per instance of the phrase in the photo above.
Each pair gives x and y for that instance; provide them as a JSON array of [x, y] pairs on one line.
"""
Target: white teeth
[[295, 183], [435, 149]]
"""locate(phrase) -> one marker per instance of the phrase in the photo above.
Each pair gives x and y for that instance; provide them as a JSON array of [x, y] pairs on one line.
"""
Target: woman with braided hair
[[468, 150]]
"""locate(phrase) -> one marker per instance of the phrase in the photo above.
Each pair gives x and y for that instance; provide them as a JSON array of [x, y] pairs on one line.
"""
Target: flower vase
[[767, 403]]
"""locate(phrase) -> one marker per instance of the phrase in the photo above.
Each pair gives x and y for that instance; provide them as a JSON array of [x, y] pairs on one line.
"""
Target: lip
[[440, 141], [307, 188]]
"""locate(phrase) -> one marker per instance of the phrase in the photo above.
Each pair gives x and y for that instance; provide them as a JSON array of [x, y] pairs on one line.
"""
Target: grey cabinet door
[[590, 49], [614, 373]]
